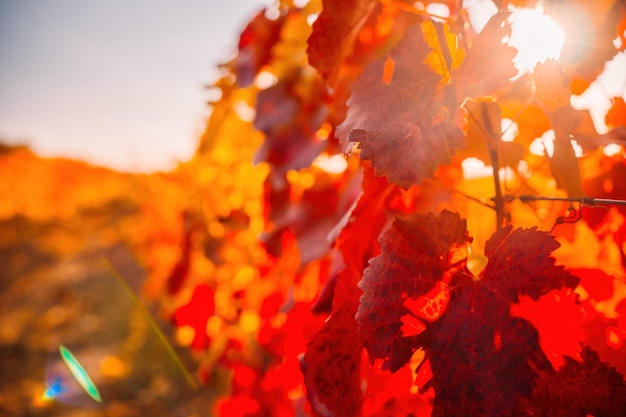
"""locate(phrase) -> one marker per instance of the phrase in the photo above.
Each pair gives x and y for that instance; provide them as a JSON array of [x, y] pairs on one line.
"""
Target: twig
[[585, 201]]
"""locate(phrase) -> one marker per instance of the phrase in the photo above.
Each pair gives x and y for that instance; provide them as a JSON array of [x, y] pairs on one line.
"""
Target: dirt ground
[[77, 300]]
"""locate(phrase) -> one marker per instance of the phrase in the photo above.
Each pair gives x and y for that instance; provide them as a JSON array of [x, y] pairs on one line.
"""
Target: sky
[[121, 83], [117, 83]]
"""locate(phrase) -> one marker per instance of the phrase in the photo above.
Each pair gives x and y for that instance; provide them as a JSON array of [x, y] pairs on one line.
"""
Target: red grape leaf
[[597, 284], [196, 313], [255, 46], [314, 217], [587, 388], [180, 271], [334, 33], [416, 254], [471, 343], [332, 362], [520, 263], [358, 240], [558, 317], [289, 116], [487, 55], [396, 115], [482, 359], [419, 294]]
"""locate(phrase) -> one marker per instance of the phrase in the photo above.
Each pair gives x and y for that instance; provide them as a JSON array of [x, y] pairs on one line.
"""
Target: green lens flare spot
[[79, 373]]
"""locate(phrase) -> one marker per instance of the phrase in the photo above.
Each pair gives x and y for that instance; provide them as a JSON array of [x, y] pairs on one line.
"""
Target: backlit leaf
[[558, 318], [587, 388], [398, 118], [416, 254], [331, 364], [520, 263], [334, 33], [255, 46], [487, 55], [446, 54], [196, 313], [551, 85], [482, 359], [616, 116]]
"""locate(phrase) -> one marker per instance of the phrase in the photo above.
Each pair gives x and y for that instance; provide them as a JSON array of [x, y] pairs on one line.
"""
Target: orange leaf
[[487, 55], [616, 116], [551, 85]]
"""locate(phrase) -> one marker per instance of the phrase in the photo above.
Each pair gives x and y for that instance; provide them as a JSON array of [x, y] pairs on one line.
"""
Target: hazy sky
[[114, 82], [120, 83]]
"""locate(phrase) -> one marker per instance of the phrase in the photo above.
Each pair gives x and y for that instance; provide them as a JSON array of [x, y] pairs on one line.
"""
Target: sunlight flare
[[536, 37]]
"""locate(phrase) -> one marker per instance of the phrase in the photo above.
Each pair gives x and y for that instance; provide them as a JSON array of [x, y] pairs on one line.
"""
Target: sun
[[536, 37]]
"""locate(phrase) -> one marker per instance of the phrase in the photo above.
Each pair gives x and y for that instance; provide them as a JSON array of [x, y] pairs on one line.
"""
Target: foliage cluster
[[389, 281], [358, 267]]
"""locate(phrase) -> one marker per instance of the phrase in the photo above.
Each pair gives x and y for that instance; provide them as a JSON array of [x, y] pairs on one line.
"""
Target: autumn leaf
[[289, 114], [334, 34], [597, 284], [484, 134], [418, 293], [446, 54], [477, 334], [530, 117], [255, 46], [416, 254], [589, 29], [520, 263], [196, 313], [616, 116], [314, 225], [587, 388], [305, 291], [332, 365], [482, 359], [487, 55], [563, 161], [558, 317], [396, 115], [358, 239], [552, 89], [552, 92]]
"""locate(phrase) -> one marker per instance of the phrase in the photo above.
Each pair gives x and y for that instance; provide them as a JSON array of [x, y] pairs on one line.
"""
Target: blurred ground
[[59, 285]]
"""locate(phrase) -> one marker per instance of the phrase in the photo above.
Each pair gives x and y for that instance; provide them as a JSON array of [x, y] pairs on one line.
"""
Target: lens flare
[[536, 37], [66, 380], [79, 373], [54, 390]]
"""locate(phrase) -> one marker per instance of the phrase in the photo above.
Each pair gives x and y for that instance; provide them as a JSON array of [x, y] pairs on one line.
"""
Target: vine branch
[[585, 201]]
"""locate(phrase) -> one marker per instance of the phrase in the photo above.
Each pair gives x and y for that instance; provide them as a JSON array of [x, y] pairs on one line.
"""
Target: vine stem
[[498, 199], [585, 201], [492, 144]]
